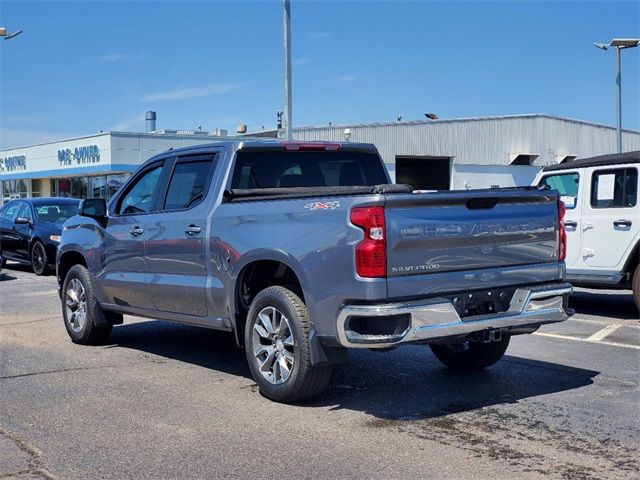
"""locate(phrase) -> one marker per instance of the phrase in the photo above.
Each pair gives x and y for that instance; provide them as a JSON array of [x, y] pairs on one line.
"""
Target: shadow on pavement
[[199, 346], [386, 390], [18, 267], [617, 305], [404, 384]]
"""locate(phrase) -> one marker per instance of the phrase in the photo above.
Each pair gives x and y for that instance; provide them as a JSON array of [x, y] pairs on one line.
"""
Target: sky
[[84, 66]]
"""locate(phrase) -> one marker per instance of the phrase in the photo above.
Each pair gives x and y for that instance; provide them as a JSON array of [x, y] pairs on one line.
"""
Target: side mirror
[[22, 221], [93, 207]]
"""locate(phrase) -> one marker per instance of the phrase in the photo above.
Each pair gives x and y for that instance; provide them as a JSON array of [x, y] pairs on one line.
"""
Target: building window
[[36, 188], [114, 182], [100, 186], [80, 187], [14, 189]]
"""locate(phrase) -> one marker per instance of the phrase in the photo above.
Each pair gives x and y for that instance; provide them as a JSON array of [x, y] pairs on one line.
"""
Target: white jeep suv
[[602, 219]]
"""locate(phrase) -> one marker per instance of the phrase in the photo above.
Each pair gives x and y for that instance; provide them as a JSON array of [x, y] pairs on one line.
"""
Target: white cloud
[[347, 78], [129, 123], [300, 61], [182, 93]]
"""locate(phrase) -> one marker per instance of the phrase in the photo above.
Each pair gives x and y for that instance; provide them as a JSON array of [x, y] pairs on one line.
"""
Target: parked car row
[[30, 230]]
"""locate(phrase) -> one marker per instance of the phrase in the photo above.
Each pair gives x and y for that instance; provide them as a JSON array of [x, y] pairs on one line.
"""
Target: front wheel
[[277, 347], [39, 260], [636, 287], [78, 299], [471, 356]]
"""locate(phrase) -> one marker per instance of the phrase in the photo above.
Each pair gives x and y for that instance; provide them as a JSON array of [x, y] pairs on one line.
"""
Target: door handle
[[588, 252], [622, 223], [586, 226], [135, 231], [192, 230], [570, 224]]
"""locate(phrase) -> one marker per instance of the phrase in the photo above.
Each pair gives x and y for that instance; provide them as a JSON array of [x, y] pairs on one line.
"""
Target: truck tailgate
[[429, 233]]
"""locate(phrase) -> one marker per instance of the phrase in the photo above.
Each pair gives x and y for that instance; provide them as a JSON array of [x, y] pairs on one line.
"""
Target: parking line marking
[[599, 342], [603, 333]]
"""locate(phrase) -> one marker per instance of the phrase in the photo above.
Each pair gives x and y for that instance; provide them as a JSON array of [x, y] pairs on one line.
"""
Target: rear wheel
[[471, 356], [277, 347], [77, 308], [39, 260], [636, 286]]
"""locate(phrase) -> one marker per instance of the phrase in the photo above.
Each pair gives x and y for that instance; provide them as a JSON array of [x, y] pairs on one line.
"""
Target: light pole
[[619, 44], [8, 36], [287, 69]]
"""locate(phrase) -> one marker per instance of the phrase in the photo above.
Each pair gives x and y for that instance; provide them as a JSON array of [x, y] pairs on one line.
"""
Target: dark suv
[[30, 230]]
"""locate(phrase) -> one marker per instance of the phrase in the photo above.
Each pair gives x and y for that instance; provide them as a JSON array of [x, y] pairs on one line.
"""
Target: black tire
[[636, 287], [471, 356], [304, 380], [39, 259], [86, 332]]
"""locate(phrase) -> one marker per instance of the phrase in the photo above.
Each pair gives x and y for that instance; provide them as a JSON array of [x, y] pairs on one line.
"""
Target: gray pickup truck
[[305, 250]]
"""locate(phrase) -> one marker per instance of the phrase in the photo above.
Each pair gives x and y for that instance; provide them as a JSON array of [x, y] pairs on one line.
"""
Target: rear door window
[[188, 184], [282, 169], [614, 188]]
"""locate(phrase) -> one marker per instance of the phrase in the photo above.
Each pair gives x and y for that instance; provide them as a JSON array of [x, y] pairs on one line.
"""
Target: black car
[[30, 230]]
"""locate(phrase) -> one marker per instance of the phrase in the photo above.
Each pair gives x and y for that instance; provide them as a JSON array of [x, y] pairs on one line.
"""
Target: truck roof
[[601, 160], [237, 143]]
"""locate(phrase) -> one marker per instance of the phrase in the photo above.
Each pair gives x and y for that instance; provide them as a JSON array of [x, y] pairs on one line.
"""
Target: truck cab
[[602, 219]]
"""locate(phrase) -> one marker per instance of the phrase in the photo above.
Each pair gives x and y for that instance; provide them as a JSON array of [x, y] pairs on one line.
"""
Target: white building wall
[[481, 149], [487, 176]]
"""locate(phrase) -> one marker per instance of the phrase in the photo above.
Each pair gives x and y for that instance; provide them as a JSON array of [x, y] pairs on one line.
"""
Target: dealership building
[[428, 154], [92, 166]]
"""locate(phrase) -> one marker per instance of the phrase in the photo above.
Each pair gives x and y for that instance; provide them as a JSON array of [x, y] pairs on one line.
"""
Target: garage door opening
[[424, 173]]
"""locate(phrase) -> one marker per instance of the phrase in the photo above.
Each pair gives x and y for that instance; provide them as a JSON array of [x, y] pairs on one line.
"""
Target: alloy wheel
[[76, 305], [38, 259], [273, 345]]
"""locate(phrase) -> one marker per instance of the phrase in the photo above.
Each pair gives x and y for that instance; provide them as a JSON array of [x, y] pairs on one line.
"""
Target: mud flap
[[323, 355], [105, 318]]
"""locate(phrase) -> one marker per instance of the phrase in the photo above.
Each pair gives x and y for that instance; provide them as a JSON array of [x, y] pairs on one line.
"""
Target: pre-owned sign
[[11, 164], [88, 154]]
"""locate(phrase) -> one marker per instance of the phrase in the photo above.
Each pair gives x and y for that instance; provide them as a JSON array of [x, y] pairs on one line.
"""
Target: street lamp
[[8, 36], [287, 68], [619, 44]]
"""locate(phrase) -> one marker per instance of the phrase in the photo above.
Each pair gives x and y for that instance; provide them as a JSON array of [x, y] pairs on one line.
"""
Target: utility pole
[[287, 69], [619, 44]]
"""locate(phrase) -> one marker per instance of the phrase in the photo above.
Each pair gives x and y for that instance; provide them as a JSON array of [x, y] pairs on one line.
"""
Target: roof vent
[[565, 157], [522, 158]]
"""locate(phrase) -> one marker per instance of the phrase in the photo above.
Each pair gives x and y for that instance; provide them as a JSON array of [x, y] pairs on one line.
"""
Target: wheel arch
[[633, 261], [67, 260], [254, 274]]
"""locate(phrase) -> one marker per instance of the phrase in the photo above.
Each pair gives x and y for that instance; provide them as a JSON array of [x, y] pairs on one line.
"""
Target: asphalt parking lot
[[167, 401]]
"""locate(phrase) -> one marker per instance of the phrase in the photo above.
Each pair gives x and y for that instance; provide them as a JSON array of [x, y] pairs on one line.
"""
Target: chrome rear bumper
[[437, 318]]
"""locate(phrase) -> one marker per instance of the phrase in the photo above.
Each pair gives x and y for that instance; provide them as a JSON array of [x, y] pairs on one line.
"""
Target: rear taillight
[[371, 252], [562, 232]]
